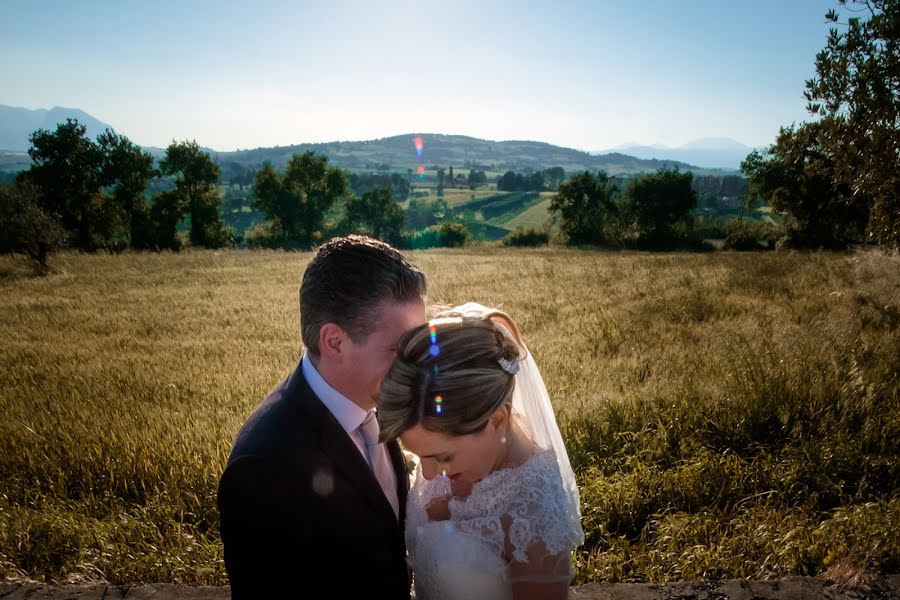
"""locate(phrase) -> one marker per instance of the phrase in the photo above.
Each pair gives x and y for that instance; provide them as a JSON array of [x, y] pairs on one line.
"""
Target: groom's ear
[[332, 341]]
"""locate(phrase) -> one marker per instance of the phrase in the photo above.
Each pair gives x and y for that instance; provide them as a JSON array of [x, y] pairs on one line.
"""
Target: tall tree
[[298, 202], [654, 203], [553, 177], [440, 185], [376, 213], [66, 172], [128, 170], [857, 86], [421, 213], [585, 205], [196, 177], [800, 174]]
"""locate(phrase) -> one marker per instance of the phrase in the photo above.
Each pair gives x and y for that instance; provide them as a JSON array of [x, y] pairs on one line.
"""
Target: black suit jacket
[[301, 510]]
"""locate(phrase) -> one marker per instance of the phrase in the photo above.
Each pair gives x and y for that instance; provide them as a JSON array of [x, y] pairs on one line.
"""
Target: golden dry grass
[[727, 414]]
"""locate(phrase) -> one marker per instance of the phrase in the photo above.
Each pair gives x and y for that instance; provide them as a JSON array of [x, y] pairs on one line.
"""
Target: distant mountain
[[17, 124], [398, 153], [709, 153]]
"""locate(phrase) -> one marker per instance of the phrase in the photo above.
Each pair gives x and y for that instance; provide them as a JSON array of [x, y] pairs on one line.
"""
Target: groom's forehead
[[395, 313]]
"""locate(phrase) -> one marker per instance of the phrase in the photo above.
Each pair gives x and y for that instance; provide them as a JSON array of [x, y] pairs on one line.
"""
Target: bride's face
[[464, 459]]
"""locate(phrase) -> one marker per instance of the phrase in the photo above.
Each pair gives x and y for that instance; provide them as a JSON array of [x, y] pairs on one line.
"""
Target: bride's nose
[[431, 469]]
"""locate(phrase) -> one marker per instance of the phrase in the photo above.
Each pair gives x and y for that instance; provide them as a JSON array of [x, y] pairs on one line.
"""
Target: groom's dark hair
[[344, 282]]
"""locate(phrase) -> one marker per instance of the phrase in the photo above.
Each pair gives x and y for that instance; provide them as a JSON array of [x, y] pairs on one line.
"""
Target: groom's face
[[370, 359]]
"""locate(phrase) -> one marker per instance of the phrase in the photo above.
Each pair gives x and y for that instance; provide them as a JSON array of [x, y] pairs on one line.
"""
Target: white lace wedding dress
[[515, 525]]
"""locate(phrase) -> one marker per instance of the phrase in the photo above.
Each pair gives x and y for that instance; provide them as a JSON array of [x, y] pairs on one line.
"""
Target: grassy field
[[727, 415], [534, 217], [455, 196]]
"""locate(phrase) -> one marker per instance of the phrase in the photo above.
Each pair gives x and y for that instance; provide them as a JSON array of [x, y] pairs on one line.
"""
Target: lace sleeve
[[532, 523], [540, 532]]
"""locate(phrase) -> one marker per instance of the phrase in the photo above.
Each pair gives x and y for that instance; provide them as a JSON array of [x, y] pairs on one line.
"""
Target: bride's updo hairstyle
[[449, 375]]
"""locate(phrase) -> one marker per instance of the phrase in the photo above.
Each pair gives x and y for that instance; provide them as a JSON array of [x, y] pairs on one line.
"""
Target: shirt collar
[[349, 414]]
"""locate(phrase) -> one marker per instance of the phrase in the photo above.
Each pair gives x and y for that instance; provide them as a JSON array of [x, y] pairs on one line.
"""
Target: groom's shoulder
[[277, 426]]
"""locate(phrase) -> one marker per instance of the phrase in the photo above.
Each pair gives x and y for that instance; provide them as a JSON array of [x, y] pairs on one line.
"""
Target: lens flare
[[419, 144]]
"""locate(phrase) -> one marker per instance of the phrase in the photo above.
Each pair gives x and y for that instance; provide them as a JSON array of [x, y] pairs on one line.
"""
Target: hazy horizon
[[590, 76]]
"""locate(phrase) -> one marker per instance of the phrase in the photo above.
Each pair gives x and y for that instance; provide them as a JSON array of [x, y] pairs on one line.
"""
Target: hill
[[397, 153], [707, 153], [17, 124]]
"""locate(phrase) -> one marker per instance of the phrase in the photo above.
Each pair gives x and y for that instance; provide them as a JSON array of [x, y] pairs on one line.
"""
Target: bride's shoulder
[[535, 478]]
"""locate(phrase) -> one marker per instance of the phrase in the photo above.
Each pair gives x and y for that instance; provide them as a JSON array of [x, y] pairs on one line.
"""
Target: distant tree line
[[361, 183], [92, 195], [107, 194], [540, 181]]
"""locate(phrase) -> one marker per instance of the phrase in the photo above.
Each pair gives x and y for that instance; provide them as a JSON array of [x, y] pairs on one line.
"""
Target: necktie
[[380, 461]]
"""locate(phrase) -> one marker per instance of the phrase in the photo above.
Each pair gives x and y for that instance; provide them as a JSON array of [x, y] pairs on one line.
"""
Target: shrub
[[266, 235], [526, 237], [25, 228], [453, 235], [746, 234]]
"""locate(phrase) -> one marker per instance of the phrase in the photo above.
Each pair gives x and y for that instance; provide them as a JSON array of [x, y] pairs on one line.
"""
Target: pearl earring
[[503, 440]]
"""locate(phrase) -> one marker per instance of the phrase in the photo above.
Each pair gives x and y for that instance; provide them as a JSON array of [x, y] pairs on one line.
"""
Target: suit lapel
[[337, 445], [399, 463]]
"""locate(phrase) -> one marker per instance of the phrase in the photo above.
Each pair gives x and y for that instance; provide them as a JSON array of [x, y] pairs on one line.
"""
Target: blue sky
[[589, 75]]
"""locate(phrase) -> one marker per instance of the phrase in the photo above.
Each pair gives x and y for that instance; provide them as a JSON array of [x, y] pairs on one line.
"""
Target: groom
[[310, 500]]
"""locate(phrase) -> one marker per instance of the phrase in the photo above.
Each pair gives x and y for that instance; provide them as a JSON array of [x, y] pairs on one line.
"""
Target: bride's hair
[[448, 376]]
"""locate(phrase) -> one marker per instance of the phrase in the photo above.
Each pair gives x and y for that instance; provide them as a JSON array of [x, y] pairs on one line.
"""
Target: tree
[[376, 214], [298, 202], [196, 177], [66, 172], [654, 203], [25, 228], [857, 87], [476, 179], [800, 174], [128, 169], [165, 213], [440, 185], [421, 214], [518, 182], [553, 177], [585, 206]]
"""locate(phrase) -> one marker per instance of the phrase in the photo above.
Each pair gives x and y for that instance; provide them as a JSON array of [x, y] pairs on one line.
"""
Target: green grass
[[537, 216], [499, 207], [727, 415], [456, 196]]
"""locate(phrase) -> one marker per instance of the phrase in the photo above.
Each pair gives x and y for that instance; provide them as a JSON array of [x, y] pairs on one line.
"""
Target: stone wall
[[792, 588]]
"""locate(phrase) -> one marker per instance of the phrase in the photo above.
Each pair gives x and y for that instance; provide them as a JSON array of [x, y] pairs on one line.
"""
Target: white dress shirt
[[347, 412]]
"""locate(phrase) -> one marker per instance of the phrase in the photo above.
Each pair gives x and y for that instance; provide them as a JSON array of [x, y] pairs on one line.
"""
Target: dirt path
[[792, 588]]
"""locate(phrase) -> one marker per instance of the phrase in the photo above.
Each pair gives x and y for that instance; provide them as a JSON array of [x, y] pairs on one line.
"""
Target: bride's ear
[[499, 419], [506, 324]]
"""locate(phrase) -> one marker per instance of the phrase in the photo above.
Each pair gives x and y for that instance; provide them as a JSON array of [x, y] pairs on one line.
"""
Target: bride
[[494, 510]]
